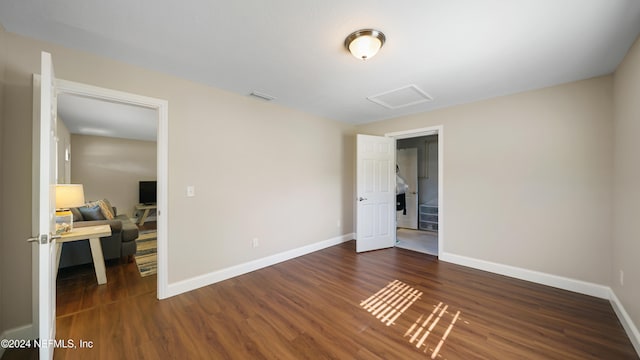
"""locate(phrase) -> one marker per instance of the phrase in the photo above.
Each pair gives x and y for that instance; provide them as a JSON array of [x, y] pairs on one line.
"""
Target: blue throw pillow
[[91, 213], [77, 215]]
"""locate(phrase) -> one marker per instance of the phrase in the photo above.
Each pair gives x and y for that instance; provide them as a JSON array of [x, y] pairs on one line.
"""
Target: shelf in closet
[[428, 217]]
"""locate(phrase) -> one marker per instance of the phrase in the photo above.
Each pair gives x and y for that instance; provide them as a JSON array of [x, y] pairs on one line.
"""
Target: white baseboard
[[625, 319], [27, 331], [227, 273], [579, 286], [582, 287], [24, 332], [561, 282]]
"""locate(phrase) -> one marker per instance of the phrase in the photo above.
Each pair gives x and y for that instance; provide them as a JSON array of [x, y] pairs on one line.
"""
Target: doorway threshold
[[417, 240]]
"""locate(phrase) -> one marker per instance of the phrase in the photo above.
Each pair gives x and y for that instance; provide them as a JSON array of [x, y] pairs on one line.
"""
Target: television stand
[[142, 212]]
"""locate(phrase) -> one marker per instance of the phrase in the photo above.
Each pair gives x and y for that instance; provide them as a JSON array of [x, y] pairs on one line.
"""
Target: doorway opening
[[419, 190], [160, 107]]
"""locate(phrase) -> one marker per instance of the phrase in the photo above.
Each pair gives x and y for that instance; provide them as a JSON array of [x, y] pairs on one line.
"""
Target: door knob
[[361, 198], [43, 239]]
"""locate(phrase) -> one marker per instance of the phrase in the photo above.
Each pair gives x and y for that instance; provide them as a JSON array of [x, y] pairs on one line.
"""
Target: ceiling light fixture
[[364, 44]]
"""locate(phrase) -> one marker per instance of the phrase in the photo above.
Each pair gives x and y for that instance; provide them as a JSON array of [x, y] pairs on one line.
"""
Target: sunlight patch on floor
[[420, 331], [391, 301], [428, 331]]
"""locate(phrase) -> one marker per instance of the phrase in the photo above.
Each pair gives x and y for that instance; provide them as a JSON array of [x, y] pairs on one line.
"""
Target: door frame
[[431, 130], [162, 108], [43, 232]]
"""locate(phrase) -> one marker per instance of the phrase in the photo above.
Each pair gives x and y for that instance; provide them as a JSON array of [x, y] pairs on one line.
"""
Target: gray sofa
[[121, 244]]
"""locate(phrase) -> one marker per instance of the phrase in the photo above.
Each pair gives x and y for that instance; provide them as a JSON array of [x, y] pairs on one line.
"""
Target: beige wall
[[527, 178], [16, 194], [259, 170], [3, 270], [111, 168], [626, 194]]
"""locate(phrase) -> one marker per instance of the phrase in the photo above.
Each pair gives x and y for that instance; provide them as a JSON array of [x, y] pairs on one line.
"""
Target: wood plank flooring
[[336, 304]]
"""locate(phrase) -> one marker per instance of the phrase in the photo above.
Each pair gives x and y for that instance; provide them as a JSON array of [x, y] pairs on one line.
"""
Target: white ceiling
[[88, 116], [457, 51]]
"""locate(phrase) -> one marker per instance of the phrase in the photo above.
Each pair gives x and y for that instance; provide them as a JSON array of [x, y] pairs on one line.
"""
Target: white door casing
[[432, 130], [162, 107], [407, 161], [44, 200], [375, 191]]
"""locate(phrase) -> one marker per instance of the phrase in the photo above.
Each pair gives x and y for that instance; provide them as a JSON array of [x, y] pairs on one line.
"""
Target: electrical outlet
[[621, 278], [338, 223], [255, 242], [191, 191]]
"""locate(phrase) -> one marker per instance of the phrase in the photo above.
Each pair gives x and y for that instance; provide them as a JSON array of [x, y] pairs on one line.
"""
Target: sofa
[[120, 245]]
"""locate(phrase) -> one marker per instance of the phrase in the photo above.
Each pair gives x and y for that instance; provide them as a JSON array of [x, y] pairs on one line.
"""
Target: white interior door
[[407, 160], [44, 200], [375, 191]]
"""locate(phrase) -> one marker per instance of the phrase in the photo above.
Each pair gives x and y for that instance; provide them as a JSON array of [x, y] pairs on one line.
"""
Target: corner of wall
[[626, 197], [626, 321]]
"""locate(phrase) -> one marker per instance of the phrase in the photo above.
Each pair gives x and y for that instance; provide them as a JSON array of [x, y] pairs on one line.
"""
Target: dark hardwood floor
[[336, 304]]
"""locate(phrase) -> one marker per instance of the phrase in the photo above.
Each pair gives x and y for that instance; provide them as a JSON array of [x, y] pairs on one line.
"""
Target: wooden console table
[[145, 209], [93, 234]]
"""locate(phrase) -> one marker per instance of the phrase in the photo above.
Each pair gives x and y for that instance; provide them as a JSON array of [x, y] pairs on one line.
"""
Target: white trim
[[162, 106], [35, 196], [625, 320], [236, 270], [24, 332], [426, 131], [407, 134], [561, 282], [80, 89]]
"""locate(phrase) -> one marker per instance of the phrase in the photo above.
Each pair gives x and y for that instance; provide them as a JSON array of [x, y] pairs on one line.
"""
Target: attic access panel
[[402, 97]]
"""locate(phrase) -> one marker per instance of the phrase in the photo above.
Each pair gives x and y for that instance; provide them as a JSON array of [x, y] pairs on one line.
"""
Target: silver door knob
[[43, 239], [361, 198]]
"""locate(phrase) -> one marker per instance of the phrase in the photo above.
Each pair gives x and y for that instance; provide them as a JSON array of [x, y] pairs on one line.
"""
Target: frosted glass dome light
[[364, 44]]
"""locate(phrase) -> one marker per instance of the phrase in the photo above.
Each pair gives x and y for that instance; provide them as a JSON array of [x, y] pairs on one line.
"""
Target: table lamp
[[67, 197]]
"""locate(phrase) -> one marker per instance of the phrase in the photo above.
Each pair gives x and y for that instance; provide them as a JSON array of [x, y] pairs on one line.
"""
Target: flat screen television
[[148, 192]]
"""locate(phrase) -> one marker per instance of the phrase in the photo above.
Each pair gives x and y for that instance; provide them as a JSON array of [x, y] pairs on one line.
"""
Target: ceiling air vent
[[402, 97], [262, 96]]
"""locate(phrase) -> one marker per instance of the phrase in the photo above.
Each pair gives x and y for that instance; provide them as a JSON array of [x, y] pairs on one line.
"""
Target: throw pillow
[[105, 208], [110, 207], [77, 215], [91, 212]]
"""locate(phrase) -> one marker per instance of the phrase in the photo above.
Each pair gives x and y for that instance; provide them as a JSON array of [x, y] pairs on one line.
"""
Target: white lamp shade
[[69, 196], [365, 47]]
